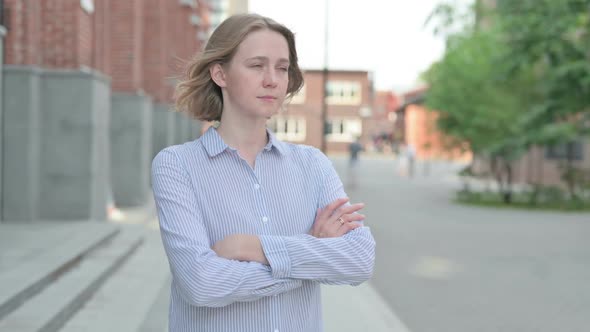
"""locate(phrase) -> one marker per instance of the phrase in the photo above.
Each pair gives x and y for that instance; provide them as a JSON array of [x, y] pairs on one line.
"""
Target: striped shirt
[[205, 191]]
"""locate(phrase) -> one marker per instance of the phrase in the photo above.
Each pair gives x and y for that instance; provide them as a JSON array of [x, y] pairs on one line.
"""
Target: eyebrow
[[263, 58]]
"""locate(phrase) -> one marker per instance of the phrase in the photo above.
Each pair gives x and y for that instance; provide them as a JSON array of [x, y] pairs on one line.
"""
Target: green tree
[[553, 36], [516, 74], [477, 104]]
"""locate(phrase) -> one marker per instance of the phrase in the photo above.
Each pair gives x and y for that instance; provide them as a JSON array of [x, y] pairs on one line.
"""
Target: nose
[[270, 78]]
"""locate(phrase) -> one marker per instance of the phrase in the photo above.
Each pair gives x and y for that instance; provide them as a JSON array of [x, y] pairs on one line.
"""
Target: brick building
[[348, 114], [416, 125], [87, 92], [540, 165]]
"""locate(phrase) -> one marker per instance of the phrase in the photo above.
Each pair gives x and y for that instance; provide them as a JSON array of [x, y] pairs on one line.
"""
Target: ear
[[218, 75]]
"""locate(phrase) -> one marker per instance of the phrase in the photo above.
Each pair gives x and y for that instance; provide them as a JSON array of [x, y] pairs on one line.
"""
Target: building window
[[288, 128], [343, 130], [560, 151], [343, 93], [299, 97]]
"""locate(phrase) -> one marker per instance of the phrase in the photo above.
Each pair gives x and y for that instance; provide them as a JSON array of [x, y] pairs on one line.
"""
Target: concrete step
[[49, 310], [134, 298], [157, 318], [33, 256]]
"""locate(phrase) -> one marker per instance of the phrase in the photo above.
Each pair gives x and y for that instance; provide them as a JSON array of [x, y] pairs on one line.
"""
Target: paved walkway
[[40, 259]]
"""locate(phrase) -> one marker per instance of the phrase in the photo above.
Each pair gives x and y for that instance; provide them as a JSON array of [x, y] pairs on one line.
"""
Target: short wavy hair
[[198, 95]]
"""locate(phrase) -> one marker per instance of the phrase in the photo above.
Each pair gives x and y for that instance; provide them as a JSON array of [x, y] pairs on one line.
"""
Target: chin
[[271, 114]]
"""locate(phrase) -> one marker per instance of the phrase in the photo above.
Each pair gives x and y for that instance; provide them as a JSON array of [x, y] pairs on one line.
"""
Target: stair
[[46, 290], [134, 299]]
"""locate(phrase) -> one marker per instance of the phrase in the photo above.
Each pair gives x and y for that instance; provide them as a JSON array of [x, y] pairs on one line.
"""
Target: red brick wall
[[85, 37], [169, 40], [60, 31], [421, 132], [101, 53], [126, 44], [141, 44], [381, 122], [22, 45], [53, 34], [154, 51]]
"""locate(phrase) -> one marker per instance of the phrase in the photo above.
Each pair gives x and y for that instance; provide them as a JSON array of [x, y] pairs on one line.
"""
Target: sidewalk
[[360, 308], [83, 262]]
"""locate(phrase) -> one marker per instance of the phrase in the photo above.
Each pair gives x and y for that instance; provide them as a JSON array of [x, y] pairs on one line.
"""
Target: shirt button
[[257, 186], [264, 219]]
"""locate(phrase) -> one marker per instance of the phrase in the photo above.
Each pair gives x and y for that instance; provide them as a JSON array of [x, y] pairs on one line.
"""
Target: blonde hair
[[198, 95]]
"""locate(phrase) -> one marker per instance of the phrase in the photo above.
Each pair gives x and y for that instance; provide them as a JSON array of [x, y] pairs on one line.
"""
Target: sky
[[387, 37]]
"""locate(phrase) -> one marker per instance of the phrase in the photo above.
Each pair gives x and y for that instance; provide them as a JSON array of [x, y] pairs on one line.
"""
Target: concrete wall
[[56, 144], [75, 112], [180, 130], [131, 147], [21, 148], [195, 129], [170, 128], [163, 128]]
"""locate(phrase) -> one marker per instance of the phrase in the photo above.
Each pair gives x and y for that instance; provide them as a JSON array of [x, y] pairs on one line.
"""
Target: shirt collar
[[214, 144]]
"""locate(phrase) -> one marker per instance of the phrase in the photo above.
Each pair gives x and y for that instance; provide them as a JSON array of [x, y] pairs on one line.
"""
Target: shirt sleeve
[[204, 278], [348, 259]]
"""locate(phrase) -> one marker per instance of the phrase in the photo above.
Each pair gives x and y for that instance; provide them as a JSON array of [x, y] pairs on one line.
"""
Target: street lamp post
[[324, 110]]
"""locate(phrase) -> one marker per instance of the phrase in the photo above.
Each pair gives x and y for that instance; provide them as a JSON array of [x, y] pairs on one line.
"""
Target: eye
[[285, 69], [256, 65]]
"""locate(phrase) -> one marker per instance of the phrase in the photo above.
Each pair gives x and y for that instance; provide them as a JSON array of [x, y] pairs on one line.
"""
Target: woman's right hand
[[337, 219]]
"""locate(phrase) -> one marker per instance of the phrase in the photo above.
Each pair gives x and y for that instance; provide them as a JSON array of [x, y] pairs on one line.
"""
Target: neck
[[243, 134]]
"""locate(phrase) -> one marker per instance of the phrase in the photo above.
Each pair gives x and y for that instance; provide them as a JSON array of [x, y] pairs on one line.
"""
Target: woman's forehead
[[264, 44]]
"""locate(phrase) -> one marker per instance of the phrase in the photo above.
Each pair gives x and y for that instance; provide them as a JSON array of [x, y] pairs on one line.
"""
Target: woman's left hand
[[337, 219]]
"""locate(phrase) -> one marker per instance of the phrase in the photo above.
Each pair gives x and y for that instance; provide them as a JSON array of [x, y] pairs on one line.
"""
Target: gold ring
[[341, 221]]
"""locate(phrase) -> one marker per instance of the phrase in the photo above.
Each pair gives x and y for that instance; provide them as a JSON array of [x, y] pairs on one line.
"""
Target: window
[[343, 93], [288, 128], [343, 130], [560, 151]]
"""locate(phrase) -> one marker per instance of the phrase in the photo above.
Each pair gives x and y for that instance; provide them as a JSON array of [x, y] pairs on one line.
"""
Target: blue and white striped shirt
[[205, 191]]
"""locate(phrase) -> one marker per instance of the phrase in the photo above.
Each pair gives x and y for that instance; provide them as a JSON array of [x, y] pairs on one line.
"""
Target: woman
[[251, 225]]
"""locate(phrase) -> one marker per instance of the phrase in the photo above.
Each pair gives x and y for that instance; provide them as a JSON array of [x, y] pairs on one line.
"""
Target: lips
[[267, 98]]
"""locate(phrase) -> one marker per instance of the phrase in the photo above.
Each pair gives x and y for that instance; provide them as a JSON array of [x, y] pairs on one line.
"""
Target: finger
[[330, 208], [332, 230], [354, 217], [348, 209], [337, 223], [347, 228], [317, 217], [316, 228]]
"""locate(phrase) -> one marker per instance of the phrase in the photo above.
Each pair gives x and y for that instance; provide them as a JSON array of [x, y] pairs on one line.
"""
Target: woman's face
[[257, 77]]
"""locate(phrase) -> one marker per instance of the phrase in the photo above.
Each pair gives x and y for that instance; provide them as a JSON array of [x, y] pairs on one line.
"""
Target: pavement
[[114, 276]]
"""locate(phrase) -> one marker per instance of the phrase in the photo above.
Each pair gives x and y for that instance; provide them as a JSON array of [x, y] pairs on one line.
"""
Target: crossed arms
[[244, 267]]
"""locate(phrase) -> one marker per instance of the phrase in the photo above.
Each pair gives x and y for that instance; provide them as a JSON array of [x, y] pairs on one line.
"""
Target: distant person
[[354, 149], [411, 157], [252, 226]]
